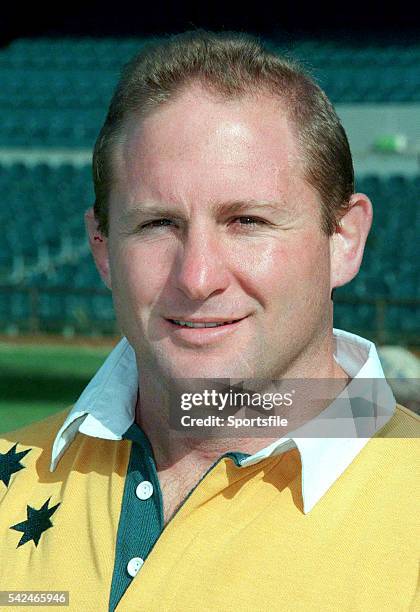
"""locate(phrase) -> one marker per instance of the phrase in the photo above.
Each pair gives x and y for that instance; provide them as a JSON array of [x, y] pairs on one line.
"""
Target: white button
[[144, 490], [134, 565]]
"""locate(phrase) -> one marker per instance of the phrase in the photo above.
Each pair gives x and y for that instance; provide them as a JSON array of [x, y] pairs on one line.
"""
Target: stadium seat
[[55, 92]]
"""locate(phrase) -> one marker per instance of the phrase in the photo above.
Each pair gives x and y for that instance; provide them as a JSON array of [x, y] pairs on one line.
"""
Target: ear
[[99, 247], [348, 241]]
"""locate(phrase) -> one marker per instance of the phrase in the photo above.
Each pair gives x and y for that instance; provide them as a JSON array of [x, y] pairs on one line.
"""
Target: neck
[[174, 449]]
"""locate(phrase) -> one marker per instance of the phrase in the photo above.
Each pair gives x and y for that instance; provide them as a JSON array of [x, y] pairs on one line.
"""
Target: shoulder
[[26, 453], [394, 449], [403, 424], [76, 451], [25, 456], [385, 468]]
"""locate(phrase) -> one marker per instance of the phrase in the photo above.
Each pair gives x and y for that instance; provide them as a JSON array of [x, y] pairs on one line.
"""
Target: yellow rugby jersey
[[240, 541]]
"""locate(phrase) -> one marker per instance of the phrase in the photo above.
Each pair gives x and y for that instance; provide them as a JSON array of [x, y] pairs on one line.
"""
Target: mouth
[[203, 332], [203, 324]]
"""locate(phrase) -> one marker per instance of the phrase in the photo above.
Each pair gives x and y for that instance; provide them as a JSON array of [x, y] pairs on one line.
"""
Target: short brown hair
[[230, 64]]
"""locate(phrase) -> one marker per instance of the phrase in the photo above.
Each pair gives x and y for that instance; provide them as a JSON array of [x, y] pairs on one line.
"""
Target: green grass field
[[37, 380]]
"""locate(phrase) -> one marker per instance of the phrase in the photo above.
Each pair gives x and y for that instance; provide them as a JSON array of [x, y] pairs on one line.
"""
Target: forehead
[[198, 146]]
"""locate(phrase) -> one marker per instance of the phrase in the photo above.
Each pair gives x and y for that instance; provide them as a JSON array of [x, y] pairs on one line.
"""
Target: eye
[[155, 224], [251, 221]]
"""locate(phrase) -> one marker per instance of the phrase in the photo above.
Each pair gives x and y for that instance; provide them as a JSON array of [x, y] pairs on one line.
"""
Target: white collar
[[106, 409]]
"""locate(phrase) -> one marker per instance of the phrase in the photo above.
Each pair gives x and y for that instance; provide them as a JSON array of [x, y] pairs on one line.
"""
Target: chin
[[198, 368], [198, 372]]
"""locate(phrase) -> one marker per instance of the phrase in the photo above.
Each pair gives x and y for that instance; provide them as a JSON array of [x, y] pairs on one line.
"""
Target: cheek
[[286, 264], [133, 277]]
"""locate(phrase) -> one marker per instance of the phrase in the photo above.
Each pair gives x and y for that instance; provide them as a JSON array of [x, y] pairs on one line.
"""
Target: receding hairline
[[189, 88], [231, 64]]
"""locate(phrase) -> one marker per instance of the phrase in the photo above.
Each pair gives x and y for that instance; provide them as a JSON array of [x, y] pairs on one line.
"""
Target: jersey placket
[[141, 519]]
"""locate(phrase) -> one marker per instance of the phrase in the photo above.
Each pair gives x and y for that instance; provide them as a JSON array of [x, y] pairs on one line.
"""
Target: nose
[[201, 265]]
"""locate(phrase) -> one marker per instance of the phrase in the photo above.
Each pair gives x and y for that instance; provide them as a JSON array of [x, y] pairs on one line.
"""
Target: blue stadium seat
[[56, 92]]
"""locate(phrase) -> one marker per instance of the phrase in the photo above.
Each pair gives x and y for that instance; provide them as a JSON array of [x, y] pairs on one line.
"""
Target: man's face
[[177, 251]]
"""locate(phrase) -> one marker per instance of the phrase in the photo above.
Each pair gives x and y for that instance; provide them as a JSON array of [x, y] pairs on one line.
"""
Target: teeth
[[190, 324]]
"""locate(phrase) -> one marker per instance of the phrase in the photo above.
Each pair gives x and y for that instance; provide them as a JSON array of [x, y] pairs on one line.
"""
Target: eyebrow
[[230, 206]]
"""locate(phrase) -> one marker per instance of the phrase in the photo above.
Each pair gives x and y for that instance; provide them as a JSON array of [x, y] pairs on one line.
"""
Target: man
[[224, 195]]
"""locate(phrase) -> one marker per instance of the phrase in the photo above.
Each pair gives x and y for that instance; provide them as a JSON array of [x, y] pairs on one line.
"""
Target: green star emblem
[[37, 522], [10, 463]]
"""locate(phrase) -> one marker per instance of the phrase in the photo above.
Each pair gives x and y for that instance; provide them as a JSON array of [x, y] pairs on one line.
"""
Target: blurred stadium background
[[54, 311]]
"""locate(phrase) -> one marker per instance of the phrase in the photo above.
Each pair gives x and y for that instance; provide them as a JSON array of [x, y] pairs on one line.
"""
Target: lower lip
[[203, 335]]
